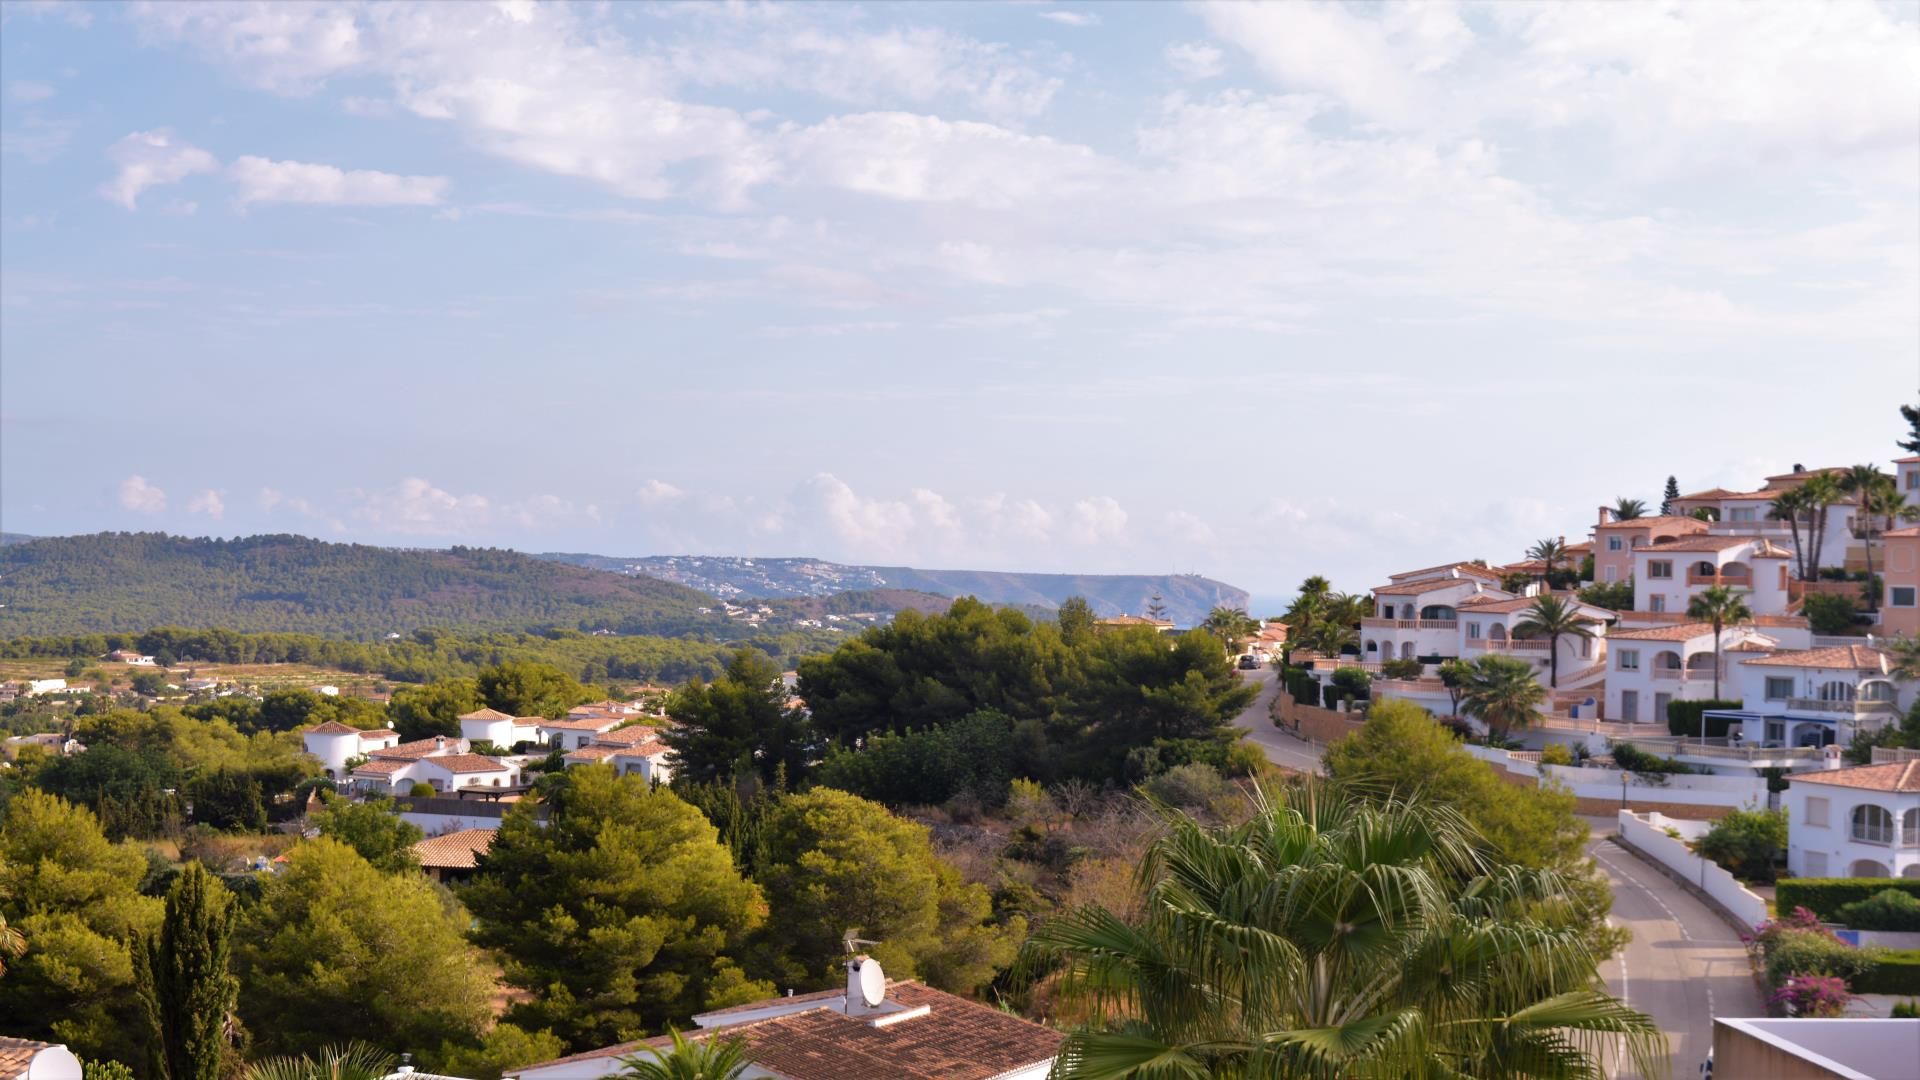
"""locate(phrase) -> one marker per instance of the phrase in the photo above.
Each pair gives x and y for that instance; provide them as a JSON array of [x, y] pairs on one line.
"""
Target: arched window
[[1910, 828], [1877, 690], [1703, 568], [1497, 632], [1670, 661], [1438, 611], [1373, 646], [1406, 650], [1406, 611], [1872, 825], [1836, 690], [1868, 868]]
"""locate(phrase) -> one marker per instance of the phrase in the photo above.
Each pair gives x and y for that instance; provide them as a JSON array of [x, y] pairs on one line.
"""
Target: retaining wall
[[1312, 722], [1646, 834], [1599, 791]]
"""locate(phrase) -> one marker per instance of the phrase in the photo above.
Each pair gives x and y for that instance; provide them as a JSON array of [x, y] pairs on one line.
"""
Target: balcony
[[1854, 708], [1731, 581], [1372, 623], [1538, 646], [1719, 751]]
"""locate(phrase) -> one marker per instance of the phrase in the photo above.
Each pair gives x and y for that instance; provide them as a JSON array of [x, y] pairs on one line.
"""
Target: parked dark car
[[1249, 662]]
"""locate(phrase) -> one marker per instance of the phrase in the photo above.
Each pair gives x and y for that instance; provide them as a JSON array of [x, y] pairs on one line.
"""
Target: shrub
[[1635, 760], [1399, 669], [421, 790], [1612, 595], [1746, 843], [1828, 613], [1684, 717], [1888, 909], [1826, 896], [1556, 754], [977, 754], [1813, 996], [1353, 682], [1246, 759], [1906, 1010], [1817, 952], [1896, 972], [1302, 687], [1187, 785]]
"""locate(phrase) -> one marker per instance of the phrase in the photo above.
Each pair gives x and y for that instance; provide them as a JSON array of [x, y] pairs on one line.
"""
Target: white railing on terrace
[[1325, 664], [1375, 623], [1843, 708], [1720, 750], [1411, 686], [1531, 645]]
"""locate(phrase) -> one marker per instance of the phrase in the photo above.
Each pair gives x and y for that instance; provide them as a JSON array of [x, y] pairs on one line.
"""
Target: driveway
[[1281, 748]]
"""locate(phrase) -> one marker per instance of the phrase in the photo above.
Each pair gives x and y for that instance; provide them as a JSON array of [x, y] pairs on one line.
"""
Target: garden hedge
[[1898, 972], [1826, 896], [1683, 718]]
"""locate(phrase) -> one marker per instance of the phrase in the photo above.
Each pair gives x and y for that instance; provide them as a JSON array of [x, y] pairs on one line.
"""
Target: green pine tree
[[185, 985], [1672, 493]]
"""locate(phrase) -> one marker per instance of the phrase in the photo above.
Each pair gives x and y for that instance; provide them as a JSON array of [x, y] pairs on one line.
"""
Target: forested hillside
[[132, 581]]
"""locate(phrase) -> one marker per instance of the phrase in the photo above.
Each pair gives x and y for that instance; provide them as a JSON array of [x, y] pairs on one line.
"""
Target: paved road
[[1281, 748], [1684, 966]]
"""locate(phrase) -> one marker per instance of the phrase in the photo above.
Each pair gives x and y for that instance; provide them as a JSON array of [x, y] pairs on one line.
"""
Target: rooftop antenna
[[852, 939]]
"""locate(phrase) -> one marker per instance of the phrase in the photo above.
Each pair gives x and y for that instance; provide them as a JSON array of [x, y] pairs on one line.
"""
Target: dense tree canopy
[[837, 862], [75, 898], [621, 914], [739, 724], [335, 950], [373, 828], [1109, 703]]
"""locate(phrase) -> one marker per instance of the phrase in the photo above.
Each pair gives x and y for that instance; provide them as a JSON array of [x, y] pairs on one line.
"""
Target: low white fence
[[1593, 783], [1647, 834]]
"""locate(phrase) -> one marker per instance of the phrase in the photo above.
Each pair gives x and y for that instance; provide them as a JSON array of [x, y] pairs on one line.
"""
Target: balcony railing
[[1526, 645], [1719, 750], [1731, 581], [1373, 623], [1842, 708]]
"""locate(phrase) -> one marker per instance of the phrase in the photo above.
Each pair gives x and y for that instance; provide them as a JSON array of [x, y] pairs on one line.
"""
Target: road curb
[[1740, 929]]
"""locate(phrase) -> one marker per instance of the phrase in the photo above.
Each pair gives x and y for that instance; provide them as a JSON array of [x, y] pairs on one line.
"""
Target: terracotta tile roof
[[956, 1040], [1913, 459], [1415, 588], [1900, 776], [17, 1054], [1710, 493], [1747, 646], [594, 752], [468, 763], [485, 714], [1467, 568], [1896, 534], [380, 768], [331, 727], [419, 748], [1678, 632], [1134, 620], [1853, 657], [649, 749], [1658, 521], [1500, 605], [380, 733], [1696, 543], [1767, 549], [628, 736], [454, 850], [587, 723]]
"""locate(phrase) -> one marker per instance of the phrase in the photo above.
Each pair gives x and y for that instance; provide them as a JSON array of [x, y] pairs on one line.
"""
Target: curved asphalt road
[[1685, 964]]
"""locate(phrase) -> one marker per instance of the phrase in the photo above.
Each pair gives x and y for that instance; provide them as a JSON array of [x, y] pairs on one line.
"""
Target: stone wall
[[1311, 722]]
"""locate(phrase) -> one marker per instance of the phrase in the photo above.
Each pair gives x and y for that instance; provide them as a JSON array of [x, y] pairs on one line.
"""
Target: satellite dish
[[873, 984]]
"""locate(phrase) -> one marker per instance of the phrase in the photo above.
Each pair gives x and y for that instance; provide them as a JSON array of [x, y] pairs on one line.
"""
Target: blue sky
[[1254, 291]]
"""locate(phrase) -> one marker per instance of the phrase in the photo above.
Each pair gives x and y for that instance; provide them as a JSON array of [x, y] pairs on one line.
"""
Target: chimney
[[439, 742], [1606, 515]]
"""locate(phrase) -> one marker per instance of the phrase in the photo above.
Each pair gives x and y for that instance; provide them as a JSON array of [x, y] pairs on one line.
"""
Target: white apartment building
[[1862, 821], [1668, 574], [1418, 613], [1816, 697], [1652, 666], [498, 728], [1490, 623]]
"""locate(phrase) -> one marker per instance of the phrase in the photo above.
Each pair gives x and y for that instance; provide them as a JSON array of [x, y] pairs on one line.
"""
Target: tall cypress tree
[[1672, 493], [185, 985]]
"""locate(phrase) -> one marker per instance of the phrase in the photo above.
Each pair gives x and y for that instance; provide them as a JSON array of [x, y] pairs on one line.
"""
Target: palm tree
[[1904, 657], [1552, 618], [1722, 607], [12, 943], [1503, 693], [1880, 502], [1822, 491], [1335, 936], [1788, 507], [1229, 625], [1625, 509], [708, 1059], [1548, 551], [351, 1061]]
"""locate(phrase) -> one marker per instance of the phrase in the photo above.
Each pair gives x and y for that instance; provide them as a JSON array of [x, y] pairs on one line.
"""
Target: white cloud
[[141, 497], [655, 492], [208, 502], [1196, 60], [918, 158], [1188, 528], [1098, 520], [151, 159], [417, 508], [259, 180], [1071, 18], [28, 91]]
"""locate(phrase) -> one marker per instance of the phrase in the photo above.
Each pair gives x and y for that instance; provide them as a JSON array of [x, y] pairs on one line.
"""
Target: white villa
[[447, 764], [500, 729], [335, 744], [1668, 574], [632, 751], [1862, 821]]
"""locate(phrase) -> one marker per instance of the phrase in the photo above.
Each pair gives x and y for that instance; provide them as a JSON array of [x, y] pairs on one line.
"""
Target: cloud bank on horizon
[[1252, 290]]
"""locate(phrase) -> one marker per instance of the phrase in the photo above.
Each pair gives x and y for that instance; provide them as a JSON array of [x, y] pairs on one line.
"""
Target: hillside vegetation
[[131, 581]]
